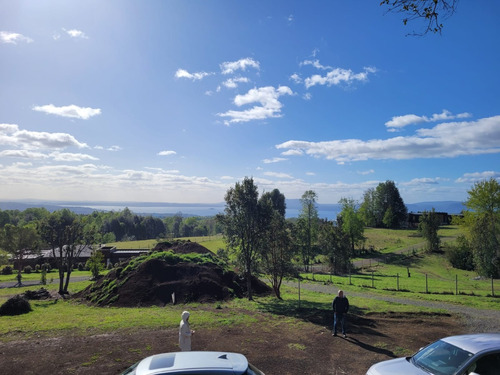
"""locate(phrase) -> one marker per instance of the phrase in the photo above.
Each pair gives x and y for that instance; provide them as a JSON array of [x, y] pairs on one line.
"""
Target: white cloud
[[398, 122], [73, 33], [181, 73], [72, 111], [316, 64], [232, 83], [269, 107], [70, 157], [471, 178], [230, 67], [25, 154], [11, 135], [364, 173], [273, 160], [337, 76], [443, 141], [277, 174], [13, 38], [167, 153], [424, 181], [296, 78]]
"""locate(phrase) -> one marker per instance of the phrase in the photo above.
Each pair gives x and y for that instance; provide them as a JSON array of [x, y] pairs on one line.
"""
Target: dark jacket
[[340, 305]]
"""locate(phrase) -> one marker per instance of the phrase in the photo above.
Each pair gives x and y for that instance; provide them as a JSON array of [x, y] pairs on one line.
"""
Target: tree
[[334, 243], [67, 235], [483, 222], [428, 226], [276, 248], [240, 223], [19, 241], [390, 210], [430, 11], [307, 227], [95, 264], [368, 209], [352, 223]]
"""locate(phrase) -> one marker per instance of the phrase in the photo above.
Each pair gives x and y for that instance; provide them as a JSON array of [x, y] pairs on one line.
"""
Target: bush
[[27, 269], [37, 268], [7, 270], [460, 255], [16, 305], [80, 266], [46, 267]]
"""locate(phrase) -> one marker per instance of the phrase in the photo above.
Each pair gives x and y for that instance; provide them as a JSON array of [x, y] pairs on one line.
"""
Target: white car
[[194, 363], [477, 354]]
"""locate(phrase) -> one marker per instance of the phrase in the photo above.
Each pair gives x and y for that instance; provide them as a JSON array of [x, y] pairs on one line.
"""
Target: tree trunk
[[249, 285]]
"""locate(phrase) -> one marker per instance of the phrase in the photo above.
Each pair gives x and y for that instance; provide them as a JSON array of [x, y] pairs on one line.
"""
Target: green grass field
[[53, 318]]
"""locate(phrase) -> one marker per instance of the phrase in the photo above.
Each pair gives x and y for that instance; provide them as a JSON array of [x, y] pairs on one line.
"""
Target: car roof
[[233, 363], [475, 343]]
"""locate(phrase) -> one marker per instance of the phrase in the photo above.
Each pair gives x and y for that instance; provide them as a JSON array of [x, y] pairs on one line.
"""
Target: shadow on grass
[[320, 314]]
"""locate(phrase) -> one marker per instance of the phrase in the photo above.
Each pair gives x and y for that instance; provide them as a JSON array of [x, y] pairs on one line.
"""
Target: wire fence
[[413, 282]]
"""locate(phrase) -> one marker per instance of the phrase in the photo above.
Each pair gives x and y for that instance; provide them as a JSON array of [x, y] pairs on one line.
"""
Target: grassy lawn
[[213, 243], [52, 318], [36, 276]]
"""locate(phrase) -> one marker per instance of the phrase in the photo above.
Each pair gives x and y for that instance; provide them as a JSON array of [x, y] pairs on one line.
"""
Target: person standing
[[185, 333], [340, 307]]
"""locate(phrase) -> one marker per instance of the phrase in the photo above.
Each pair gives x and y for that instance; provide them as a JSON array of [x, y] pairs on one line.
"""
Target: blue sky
[[176, 101]]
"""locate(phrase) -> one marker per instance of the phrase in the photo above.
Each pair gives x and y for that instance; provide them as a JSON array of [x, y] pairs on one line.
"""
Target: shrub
[[16, 305], [80, 266], [460, 255], [7, 270], [27, 269], [46, 267], [37, 268]]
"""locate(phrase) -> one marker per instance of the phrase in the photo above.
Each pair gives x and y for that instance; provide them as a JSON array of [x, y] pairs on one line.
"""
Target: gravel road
[[475, 320]]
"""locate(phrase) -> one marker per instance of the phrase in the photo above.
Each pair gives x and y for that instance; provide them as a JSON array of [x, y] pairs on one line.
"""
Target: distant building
[[414, 219]]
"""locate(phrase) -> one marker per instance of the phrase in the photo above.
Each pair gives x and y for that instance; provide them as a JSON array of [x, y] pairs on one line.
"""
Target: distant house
[[112, 255], [47, 256], [414, 219]]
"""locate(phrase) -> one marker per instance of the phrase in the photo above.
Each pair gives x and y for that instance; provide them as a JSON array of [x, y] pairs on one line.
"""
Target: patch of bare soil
[[274, 346]]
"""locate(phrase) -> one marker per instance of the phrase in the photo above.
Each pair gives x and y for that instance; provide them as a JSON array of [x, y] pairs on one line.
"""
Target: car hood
[[395, 367]]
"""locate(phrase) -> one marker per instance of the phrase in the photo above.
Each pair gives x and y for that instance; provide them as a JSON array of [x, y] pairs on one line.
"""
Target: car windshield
[[441, 358]]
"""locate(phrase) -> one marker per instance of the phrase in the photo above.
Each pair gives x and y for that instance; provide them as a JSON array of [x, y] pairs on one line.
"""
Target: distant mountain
[[325, 210]]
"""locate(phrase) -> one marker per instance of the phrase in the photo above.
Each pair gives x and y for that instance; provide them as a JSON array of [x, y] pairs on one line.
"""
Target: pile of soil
[[156, 282]]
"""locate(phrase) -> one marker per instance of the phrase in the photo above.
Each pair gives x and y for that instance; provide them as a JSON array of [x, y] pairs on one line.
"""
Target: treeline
[[123, 225]]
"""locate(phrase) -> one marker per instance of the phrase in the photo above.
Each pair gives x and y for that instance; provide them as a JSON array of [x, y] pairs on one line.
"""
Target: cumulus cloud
[[71, 157], [11, 135], [13, 38], [478, 176], [232, 83], [72, 111], [181, 73], [269, 106], [277, 174], [424, 181], [230, 67], [399, 122], [273, 160], [25, 154], [442, 141], [74, 33], [167, 153], [337, 76]]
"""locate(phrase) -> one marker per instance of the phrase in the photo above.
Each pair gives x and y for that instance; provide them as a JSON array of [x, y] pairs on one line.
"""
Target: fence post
[[397, 278], [456, 285], [299, 292], [492, 288], [372, 281], [426, 289]]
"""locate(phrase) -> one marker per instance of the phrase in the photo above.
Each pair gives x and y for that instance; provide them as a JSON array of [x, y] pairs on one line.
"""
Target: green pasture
[[53, 318], [36, 276]]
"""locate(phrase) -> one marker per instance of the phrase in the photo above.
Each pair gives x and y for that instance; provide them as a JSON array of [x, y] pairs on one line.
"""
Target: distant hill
[[325, 210]]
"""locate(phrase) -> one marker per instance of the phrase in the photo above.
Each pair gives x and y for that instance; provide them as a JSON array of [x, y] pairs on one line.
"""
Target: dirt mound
[[167, 277], [182, 247], [16, 305]]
